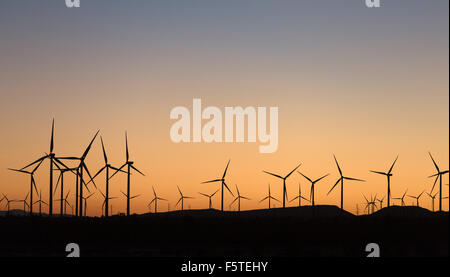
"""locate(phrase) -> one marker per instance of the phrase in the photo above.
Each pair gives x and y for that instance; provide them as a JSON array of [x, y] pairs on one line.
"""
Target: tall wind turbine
[[40, 201], [32, 182], [312, 185], [107, 167], [238, 198], [401, 198], [299, 196], [130, 166], [155, 200], [269, 197], [417, 197], [210, 196], [65, 202], [388, 175], [222, 180], [182, 197], [284, 182], [341, 180], [80, 180], [53, 160], [25, 204], [432, 199], [85, 202], [438, 174]]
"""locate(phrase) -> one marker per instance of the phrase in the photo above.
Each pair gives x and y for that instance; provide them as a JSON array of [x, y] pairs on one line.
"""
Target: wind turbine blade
[[305, 198], [228, 188], [392, 166], [237, 189], [294, 198], [132, 166], [19, 170], [114, 168], [275, 199], [57, 182], [38, 165], [226, 168], [434, 184], [154, 192], [89, 174], [204, 194], [243, 197], [321, 178], [214, 193], [212, 181], [51, 138], [354, 179], [278, 176], [96, 174], [234, 200], [378, 172], [178, 201], [435, 165], [102, 193], [135, 196], [126, 147], [119, 169], [264, 199], [337, 182], [159, 198], [292, 171], [34, 184], [366, 198], [305, 176], [124, 194], [104, 152], [35, 162], [89, 146], [337, 164]]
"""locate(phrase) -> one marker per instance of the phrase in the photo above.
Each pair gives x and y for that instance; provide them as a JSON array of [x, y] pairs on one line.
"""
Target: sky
[[363, 84]]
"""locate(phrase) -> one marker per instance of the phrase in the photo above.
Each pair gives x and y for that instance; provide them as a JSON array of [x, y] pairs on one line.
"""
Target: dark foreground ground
[[323, 231]]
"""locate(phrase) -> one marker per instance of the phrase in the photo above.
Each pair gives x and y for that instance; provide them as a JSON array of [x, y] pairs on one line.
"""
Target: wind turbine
[[388, 175], [155, 199], [438, 175], [401, 198], [370, 203], [80, 181], [8, 202], [130, 166], [53, 160], [66, 203], [269, 197], [299, 196], [209, 197], [32, 182], [104, 203], [222, 180], [107, 167], [85, 202], [238, 198], [25, 204], [61, 179], [182, 197], [381, 202], [312, 185], [128, 197], [417, 197], [432, 199], [341, 180], [284, 182], [40, 201]]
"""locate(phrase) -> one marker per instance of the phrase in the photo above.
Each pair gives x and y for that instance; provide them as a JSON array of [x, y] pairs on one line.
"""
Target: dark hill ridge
[[305, 231]]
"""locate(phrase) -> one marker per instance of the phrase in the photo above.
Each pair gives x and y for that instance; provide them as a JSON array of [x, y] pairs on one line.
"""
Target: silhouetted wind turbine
[[432, 199], [209, 197], [269, 197], [438, 175], [104, 202], [8, 202], [130, 166], [61, 180], [32, 182], [238, 198], [341, 180], [312, 185], [182, 197], [370, 203], [155, 199], [299, 196], [106, 167], [53, 160], [401, 198], [85, 202], [25, 204], [222, 180], [128, 197], [40, 201], [66, 203], [388, 175], [381, 202], [79, 184], [417, 197], [284, 182]]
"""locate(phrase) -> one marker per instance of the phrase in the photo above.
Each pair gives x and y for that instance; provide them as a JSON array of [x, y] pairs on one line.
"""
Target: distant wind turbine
[[388, 175], [284, 182], [299, 196], [155, 200], [341, 180], [269, 197], [182, 197], [417, 197], [438, 175], [210, 196], [40, 201], [222, 180], [432, 199], [401, 198], [238, 198], [312, 185]]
